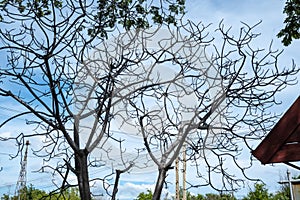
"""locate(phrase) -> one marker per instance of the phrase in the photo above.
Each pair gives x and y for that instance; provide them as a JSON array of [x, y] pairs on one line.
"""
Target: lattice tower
[[21, 183]]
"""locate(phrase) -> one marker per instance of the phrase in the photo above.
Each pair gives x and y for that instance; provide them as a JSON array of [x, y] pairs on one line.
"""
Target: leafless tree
[[159, 84], [206, 101], [172, 93], [46, 43]]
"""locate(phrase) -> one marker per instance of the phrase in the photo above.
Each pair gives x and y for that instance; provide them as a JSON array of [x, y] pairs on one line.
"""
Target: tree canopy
[[100, 16], [291, 30], [261, 192]]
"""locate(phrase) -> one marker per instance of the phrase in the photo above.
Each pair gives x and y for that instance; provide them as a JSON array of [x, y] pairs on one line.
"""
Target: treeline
[[260, 192], [31, 193]]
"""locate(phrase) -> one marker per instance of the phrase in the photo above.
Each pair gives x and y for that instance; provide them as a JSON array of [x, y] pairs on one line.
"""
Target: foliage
[[107, 15], [260, 192], [283, 194], [219, 197], [189, 196], [145, 195], [5, 197], [292, 22], [31, 193]]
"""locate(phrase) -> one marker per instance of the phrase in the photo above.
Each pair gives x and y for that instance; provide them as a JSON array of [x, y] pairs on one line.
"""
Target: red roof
[[282, 144]]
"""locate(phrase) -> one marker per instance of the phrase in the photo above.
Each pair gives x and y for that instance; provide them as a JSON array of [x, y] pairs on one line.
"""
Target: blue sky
[[207, 11]]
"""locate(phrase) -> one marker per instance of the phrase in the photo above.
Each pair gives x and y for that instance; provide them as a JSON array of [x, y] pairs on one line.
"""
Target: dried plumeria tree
[[158, 83]]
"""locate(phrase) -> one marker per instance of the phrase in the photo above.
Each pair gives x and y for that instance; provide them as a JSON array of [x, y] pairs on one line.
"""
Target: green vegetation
[[107, 14], [148, 196], [260, 192], [292, 22], [31, 193], [145, 196]]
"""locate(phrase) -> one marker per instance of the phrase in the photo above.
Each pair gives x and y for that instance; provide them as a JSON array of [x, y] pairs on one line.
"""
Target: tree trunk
[[160, 183], [115, 190], [118, 174], [82, 174]]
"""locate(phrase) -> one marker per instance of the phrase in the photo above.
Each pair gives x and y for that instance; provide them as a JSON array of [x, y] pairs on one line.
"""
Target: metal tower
[[177, 190], [21, 183]]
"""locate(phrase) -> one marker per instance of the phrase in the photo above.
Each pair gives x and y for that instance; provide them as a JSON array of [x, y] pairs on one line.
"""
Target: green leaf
[[58, 4], [21, 8], [292, 22]]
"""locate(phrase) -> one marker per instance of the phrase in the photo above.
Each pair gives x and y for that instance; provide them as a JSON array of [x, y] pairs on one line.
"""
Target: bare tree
[[157, 83], [205, 101], [172, 93], [46, 43]]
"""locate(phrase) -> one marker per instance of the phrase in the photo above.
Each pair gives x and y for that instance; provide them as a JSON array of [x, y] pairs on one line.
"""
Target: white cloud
[[131, 190], [208, 11], [6, 134]]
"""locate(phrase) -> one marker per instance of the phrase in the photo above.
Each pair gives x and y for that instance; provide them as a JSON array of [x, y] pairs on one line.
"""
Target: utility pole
[[184, 172], [290, 184], [177, 190], [293, 185], [21, 183], [177, 179]]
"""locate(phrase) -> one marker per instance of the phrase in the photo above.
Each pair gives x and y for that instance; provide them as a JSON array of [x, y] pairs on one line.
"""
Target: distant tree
[[211, 196], [5, 197], [189, 196], [260, 192], [31, 193], [283, 194], [291, 30], [145, 195], [197, 197]]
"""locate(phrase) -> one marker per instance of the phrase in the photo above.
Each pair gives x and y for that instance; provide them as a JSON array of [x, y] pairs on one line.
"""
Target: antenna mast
[[21, 183]]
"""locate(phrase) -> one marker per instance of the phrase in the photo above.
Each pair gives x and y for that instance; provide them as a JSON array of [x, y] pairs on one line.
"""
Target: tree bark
[[159, 183], [118, 174], [115, 190], [82, 174]]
